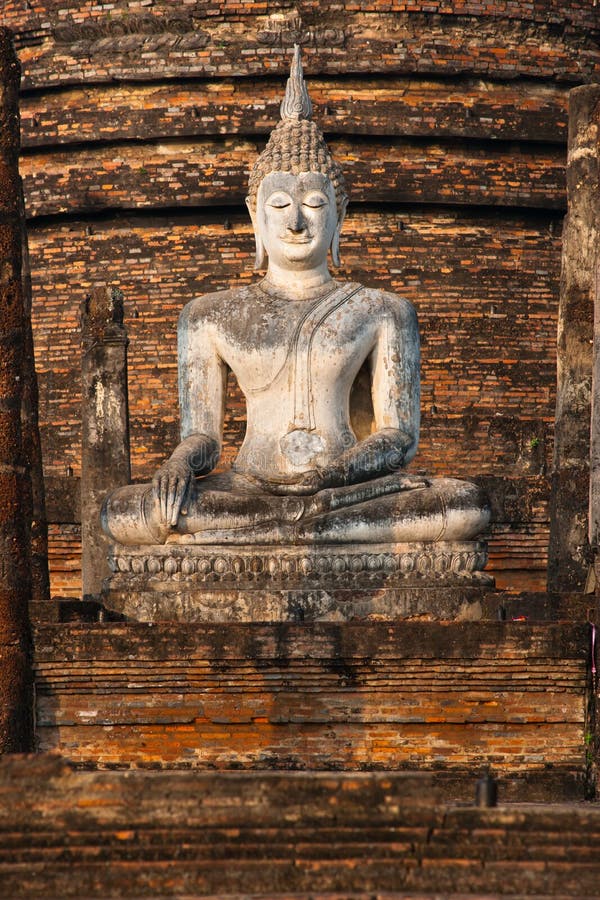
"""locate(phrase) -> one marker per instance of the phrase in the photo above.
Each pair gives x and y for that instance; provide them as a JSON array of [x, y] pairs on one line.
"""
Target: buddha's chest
[[284, 345]]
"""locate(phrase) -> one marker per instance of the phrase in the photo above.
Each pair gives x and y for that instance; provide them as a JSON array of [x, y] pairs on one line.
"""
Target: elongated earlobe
[[335, 248], [260, 258], [335, 240]]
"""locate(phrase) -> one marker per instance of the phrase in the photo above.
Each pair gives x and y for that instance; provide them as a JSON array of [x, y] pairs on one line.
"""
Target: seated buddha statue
[[312, 469]]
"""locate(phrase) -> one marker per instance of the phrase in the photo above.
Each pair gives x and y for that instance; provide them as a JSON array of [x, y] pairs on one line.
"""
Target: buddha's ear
[[335, 240], [260, 259]]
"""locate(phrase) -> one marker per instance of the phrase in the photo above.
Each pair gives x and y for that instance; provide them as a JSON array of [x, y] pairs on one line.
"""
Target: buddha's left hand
[[308, 483]]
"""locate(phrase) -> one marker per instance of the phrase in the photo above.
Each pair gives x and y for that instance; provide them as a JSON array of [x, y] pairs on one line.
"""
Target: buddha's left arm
[[396, 377], [395, 390]]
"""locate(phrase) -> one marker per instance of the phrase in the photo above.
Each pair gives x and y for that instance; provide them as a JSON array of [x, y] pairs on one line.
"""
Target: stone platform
[[280, 836], [449, 699], [187, 582]]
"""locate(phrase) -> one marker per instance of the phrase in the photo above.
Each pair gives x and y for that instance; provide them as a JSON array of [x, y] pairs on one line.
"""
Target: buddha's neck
[[298, 284]]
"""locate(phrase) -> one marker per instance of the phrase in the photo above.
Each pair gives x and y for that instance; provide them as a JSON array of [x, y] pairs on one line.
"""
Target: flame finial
[[296, 104]]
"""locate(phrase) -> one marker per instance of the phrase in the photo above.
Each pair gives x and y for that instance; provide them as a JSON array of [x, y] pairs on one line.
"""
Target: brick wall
[[363, 695], [139, 124]]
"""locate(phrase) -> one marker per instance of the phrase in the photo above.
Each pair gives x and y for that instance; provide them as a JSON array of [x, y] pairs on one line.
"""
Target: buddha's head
[[296, 196]]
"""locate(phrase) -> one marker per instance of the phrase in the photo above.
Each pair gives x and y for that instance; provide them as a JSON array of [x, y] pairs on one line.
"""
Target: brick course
[[467, 107], [214, 172], [84, 44]]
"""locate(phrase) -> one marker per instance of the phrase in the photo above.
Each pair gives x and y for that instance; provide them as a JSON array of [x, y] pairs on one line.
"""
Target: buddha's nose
[[296, 221]]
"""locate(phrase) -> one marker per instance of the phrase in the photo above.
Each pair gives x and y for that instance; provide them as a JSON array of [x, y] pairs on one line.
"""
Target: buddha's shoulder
[[387, 304], [216, 306]]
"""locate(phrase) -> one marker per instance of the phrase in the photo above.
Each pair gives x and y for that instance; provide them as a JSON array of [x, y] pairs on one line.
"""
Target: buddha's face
[[296, 218]]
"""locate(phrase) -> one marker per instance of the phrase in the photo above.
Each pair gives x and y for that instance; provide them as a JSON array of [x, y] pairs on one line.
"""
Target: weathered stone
[[63, 498], [32, 449], [593, 102], [570, 553], [105, 432]]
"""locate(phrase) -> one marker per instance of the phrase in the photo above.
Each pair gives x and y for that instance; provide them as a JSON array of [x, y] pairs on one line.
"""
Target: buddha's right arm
[[202, 374], [202, 380]]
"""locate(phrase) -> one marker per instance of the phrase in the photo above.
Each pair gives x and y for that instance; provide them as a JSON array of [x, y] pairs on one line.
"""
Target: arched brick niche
[[139, 124]]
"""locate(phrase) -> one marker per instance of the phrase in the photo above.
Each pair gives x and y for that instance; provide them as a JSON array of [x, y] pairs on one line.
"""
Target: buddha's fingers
[[165, 499], [172, 511], [159, 491], [166, 489], [410, 482], [180, 496]]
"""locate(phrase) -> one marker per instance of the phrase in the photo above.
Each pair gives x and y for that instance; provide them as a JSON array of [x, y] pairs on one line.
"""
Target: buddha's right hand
[[170, 486]]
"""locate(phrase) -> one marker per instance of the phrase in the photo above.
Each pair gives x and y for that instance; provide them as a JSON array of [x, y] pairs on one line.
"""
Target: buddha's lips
[[304, 241]]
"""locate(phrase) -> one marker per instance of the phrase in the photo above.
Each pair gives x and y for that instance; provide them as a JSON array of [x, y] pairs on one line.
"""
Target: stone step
[[371, 695], [284, 836]]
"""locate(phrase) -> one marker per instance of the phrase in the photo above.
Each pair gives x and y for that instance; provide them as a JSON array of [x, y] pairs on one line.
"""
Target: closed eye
[[279, 200], [315, 200]]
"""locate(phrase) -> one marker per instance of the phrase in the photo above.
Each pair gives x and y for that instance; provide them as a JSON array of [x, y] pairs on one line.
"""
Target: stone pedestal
[[203, 583]]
